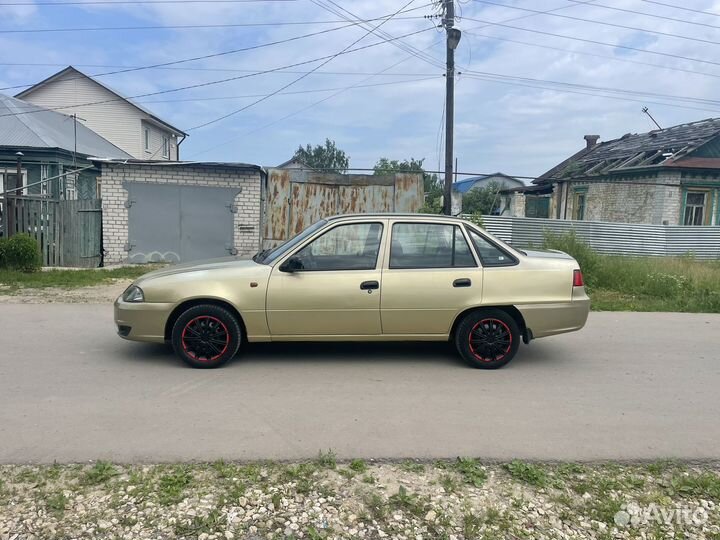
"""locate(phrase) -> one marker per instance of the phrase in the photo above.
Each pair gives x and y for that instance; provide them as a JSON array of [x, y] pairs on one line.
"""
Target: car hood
[[546, 253], [199, 266]]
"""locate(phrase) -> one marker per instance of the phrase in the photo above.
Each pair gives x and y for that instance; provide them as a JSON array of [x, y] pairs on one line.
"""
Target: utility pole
[[453, 38]]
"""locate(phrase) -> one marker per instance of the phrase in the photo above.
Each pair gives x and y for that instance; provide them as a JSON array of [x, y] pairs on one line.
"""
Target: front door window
[[347, 247]]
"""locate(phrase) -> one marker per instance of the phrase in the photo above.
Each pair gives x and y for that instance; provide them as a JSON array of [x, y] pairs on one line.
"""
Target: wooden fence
[[69, 232]]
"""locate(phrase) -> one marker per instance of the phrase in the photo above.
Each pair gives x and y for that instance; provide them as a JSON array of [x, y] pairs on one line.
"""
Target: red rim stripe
[[491, 322], [196, 320]]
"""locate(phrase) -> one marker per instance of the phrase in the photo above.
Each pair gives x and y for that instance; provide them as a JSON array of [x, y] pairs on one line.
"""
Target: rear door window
[[429, 245]]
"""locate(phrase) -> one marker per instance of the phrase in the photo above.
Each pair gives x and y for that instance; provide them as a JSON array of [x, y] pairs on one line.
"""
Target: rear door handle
[[369, 285], [462, 282]]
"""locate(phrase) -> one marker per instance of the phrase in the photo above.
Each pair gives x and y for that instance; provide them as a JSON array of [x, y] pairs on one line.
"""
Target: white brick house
[[667, 176], [128, 125], [173, 211]]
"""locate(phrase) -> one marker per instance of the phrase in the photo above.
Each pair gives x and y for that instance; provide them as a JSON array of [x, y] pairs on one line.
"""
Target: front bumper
[[142, 321]]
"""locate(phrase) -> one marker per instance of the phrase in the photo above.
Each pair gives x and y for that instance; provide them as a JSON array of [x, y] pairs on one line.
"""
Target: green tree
[[325, 157], [482, 200], [431, 183]]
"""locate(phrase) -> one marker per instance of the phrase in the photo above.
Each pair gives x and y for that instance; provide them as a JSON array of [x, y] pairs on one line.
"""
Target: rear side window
[[490, 254], [429, 245]]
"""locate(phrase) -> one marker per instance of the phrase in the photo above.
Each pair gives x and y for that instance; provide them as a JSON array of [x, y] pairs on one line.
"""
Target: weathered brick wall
[[246, 220], [640, 200]]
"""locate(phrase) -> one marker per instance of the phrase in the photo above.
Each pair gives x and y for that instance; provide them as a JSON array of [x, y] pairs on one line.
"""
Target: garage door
[[170, 223]]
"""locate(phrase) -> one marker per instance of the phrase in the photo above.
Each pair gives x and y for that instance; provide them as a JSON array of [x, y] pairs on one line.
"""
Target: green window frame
[[579, 194], [711, 208]]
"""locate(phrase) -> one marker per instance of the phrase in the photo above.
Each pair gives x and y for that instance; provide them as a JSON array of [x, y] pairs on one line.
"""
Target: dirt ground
[[96, 294]]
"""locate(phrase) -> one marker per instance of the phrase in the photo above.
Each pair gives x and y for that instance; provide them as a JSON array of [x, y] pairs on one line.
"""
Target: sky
[[534, 76]]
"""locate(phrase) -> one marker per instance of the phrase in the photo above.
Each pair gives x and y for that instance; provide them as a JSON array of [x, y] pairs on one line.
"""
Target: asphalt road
[[629, 386]]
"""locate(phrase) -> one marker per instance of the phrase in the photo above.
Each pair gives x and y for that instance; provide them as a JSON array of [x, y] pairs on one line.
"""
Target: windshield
[[267, 256]]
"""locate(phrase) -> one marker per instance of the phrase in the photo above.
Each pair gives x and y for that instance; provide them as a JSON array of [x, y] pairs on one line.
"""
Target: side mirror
[[293, 264]]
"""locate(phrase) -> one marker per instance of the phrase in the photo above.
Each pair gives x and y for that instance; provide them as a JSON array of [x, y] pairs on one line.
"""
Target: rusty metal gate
[[298, 198]]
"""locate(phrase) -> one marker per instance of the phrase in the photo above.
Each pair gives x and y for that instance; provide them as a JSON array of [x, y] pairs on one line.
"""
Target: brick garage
[[117, 179]]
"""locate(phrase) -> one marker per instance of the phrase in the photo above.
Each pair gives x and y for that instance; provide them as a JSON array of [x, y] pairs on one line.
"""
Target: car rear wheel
[[488, 338], [206, 336]]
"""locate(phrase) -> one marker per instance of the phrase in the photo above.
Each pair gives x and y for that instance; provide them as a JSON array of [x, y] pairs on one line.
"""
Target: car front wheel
[[487, 339], [206, 336]]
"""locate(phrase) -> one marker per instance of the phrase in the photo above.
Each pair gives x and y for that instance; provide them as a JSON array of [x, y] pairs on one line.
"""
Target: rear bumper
[[549, 319], [142, 321]]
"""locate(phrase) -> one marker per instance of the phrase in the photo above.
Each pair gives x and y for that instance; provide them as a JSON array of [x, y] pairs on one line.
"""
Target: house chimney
[[591, 140]]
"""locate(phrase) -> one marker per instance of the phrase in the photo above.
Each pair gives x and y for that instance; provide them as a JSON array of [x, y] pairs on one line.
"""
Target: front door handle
[[369, 285], [462, 282]]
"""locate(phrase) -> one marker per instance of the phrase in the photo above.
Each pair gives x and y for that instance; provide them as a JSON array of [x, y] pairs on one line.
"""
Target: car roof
[[406, 215]]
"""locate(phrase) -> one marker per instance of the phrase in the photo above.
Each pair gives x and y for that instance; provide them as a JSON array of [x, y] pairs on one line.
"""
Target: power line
[[593, 94], [303, 109], [604, 23], [170, 65], [409, 57], [663, 17], [298, 92], [182, 26], [226, 70], [674, 6], [213, 55], [596, 88], [294, 92], [584, 53], [584, 40], [414, 51], [211, 83], [520, 176], [143, 2], [301, 77]]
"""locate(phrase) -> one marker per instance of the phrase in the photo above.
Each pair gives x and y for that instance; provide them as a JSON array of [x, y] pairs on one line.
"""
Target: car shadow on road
[[329, 353]]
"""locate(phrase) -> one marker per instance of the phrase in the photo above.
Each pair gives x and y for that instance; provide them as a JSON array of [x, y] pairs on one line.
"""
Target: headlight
[[133, 294]]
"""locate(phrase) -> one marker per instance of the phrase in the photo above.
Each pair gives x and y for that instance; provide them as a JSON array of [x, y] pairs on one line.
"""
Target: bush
[[21, 252], [578, 249], [3, 252]]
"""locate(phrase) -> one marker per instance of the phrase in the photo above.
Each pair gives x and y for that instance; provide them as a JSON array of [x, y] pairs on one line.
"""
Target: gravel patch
[[105, 293], [460, 499]]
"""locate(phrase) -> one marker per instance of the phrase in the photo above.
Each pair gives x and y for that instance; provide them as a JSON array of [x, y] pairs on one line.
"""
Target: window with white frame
[[165, 147], [696, 207], [8, 178], [146, 139]]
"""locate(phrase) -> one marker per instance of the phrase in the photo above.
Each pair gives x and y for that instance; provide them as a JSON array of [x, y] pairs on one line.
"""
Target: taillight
[[578, 279]]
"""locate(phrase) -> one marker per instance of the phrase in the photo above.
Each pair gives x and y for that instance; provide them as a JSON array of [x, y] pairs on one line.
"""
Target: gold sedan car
[[370, 277]]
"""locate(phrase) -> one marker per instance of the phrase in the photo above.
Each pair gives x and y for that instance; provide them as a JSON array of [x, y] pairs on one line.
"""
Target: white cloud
[[507, 127]]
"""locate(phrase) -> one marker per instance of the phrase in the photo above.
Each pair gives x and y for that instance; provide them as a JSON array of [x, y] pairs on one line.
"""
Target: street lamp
[[453, 38]]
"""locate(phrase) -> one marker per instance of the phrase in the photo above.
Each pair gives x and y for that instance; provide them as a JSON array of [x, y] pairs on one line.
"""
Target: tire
[[206, 336], [488, 338]]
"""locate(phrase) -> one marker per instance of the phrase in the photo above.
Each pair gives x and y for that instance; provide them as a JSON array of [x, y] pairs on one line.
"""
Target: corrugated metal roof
[[657, 148], [463, 186], [29, 126]]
